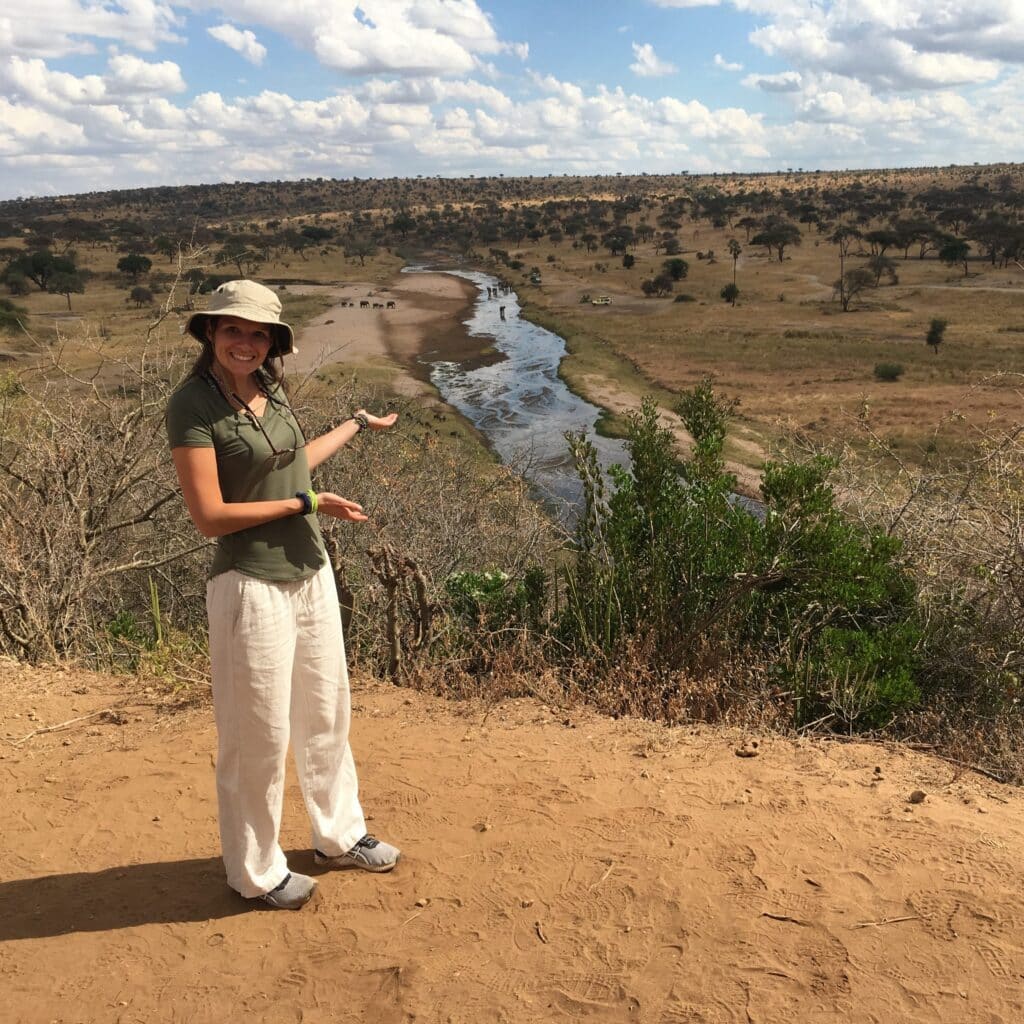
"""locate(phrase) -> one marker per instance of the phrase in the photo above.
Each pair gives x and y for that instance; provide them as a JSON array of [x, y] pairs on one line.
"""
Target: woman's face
[[240, 346]]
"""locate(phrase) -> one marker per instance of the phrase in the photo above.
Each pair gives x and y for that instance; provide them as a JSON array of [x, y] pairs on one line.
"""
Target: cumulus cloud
[[57, 28], [648, 64], [853, 82], [419, 37], [784, 81], [433, 90], [913, 44], [243, 42], [129, 74], [721, 62]]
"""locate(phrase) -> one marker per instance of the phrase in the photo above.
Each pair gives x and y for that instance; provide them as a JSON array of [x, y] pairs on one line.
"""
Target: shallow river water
[[519, 403]]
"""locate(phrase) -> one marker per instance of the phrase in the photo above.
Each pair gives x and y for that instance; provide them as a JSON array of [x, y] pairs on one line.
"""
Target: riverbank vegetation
[[880, 592]]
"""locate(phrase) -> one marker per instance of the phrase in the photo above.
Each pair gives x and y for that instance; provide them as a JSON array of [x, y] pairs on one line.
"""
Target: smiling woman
[[277, 655]]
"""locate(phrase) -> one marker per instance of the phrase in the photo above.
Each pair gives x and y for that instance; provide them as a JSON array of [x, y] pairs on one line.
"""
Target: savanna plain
[[671, 762]]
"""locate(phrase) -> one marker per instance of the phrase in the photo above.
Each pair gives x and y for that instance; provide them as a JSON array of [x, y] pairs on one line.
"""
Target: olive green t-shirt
[[199, 416]]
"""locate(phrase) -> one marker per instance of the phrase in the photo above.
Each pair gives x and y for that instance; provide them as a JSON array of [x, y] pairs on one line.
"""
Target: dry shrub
[[636, 684], [433, 512], [961, 522], [90, 503]]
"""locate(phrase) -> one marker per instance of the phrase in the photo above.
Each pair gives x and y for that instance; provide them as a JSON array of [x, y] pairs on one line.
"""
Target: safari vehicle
[[601, 300]]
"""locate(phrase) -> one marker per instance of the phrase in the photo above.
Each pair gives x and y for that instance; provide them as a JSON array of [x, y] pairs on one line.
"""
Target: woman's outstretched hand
[[378, 422], [340, 508]]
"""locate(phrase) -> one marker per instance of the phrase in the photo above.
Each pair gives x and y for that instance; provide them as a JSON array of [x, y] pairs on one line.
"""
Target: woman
[[277, 657]]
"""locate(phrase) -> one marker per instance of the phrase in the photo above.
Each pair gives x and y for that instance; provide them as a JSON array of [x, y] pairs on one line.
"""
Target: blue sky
[[177, 91]]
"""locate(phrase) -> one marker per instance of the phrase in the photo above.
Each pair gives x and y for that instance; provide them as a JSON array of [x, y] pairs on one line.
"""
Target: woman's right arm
[[215, 517]]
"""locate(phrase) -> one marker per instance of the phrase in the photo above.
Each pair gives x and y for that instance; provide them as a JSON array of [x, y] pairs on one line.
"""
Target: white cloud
[[417, 37], [243, 42], [130, 75], [853, 82], [648, 64], [784, 81], [910, 44], [32, 81], [433, 90], [56, 28]]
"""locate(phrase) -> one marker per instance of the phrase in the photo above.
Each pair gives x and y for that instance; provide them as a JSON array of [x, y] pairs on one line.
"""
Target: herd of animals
[[366, 304]]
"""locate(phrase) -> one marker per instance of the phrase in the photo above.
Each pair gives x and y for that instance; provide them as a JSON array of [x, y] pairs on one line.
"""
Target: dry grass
[[798, 364]]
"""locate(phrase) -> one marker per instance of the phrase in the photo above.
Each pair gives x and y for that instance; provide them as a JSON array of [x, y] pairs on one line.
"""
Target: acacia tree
[[879, 265], [135, 265], [39, 267], [239, 252], [140, 296], [777, 235], [844, 236], [936, 333], [676, 268], [67, 284], [954, 252], [851, 284], [360, 246]]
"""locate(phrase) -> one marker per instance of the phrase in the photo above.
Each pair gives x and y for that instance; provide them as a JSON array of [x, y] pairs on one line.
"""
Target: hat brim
[[284, 336]]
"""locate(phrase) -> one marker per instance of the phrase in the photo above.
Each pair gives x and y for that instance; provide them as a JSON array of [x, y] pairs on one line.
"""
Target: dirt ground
[[557, 866]]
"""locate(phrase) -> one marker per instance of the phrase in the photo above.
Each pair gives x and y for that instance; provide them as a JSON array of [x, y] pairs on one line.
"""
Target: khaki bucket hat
[[248, 300]]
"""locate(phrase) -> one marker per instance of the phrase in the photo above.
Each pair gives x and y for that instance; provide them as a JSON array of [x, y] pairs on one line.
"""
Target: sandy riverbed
[[428, 312]]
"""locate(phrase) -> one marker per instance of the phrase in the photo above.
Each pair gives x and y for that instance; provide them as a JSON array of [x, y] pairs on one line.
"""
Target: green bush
[[863, 679], [888, 371], [670, 561], [684, 297], [494, 600]]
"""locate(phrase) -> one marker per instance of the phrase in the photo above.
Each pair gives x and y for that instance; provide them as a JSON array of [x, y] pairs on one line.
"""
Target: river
[[517, 401]]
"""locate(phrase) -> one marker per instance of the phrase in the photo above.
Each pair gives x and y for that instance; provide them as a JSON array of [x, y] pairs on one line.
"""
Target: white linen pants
[[277, 662]]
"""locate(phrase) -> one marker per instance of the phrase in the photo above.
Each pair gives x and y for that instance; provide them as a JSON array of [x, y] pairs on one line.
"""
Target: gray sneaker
[[292, 894], [369, 853]]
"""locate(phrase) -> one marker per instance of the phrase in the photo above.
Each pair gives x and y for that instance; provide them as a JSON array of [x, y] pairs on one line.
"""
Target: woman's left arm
[[323, 447]]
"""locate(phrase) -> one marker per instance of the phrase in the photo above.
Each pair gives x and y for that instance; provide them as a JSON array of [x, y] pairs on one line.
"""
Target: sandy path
[[558, 867]]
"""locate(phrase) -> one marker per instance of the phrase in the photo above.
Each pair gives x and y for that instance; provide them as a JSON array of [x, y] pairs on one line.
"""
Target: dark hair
[[270, 375]]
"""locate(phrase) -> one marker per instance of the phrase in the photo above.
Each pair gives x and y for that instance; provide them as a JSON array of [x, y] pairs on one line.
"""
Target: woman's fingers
[[340, 508], [383, 422], [379, 422]]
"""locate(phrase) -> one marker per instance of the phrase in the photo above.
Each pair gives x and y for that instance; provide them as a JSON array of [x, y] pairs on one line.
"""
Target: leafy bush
[[493, 599], [684, 297], [888, 371], [670, 561]]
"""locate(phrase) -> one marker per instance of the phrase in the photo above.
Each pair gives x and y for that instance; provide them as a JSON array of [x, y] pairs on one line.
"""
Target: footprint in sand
[[1001, 963], [952, 915], [580, 995], [884, 857]]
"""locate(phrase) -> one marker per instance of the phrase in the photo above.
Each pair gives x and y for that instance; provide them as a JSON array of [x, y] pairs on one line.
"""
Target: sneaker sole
[[355, 866], [272, 904]]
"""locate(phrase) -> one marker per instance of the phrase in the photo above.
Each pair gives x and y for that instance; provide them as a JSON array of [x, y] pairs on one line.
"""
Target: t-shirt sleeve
[[187, 426]]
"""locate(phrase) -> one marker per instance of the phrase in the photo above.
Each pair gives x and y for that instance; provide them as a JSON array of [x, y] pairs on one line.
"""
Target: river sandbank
[[427, 316]]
